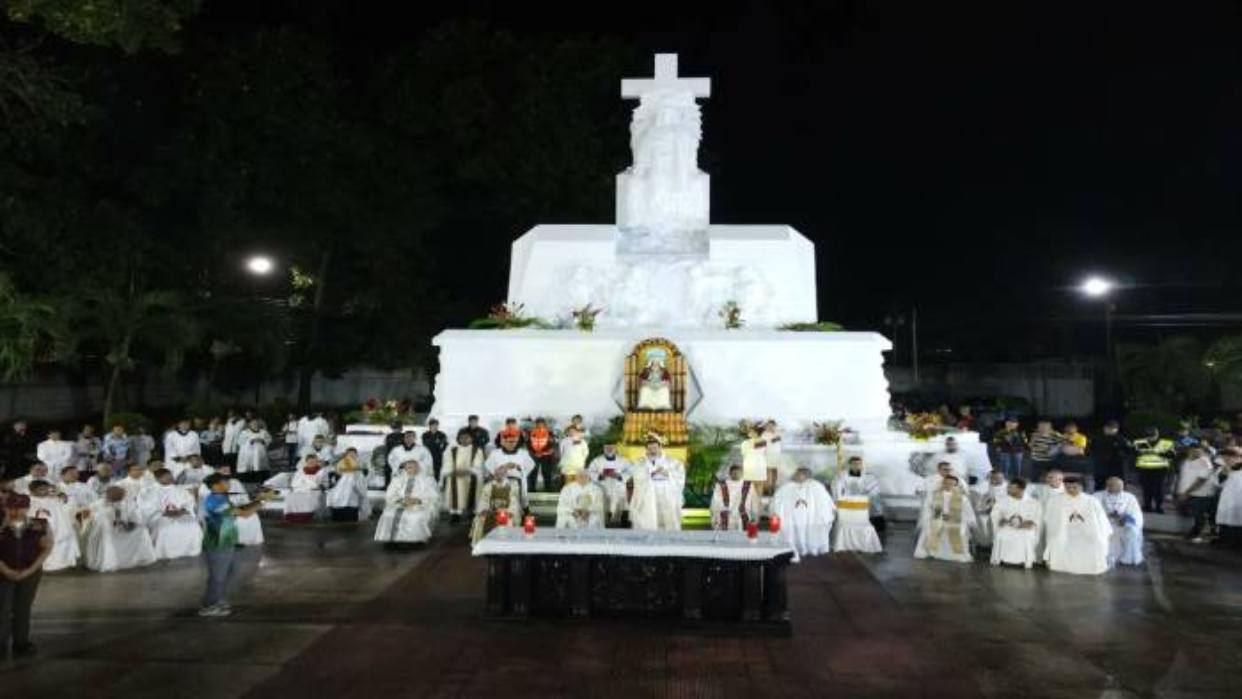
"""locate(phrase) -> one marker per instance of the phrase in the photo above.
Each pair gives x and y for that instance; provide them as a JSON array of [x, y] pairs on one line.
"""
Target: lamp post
[[260, 265], [1101, 288]]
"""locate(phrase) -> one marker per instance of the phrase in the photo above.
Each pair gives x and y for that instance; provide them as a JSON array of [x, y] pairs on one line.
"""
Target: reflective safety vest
[[1153, 455]]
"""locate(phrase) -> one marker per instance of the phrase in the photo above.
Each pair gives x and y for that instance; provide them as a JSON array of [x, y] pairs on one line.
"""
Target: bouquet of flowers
[[377, 412], [923, 426], [828, 432], [731, 314], [584, 317], [507, 316]]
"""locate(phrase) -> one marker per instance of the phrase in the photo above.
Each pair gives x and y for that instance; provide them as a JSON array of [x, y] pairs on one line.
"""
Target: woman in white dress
[[411, 507], [252, 443]]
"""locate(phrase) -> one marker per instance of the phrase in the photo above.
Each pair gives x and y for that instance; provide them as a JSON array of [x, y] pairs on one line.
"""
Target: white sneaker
[[215, 610]]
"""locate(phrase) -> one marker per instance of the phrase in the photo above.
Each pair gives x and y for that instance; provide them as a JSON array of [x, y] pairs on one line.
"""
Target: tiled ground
[[326, 613]]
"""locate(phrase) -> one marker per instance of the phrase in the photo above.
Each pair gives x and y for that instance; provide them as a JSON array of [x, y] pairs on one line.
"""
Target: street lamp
[[260, 265], [1096, 287], [1100, 288]]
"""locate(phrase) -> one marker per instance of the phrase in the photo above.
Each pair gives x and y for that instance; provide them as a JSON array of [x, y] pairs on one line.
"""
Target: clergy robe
[[178, 446], [1011, 543], [99, 485], [1229, 507], [573, 455], [252, 450], [754, 460], [192, 478], [1125, 546], [493, 497], [459, 476], [518, 457], [775, 456], [308, 427], [60, 518], [80, 494], [175, 536], [400, 454], [931, 485], [658, 491], [944, 527], [117, 538], [864, 484], [807, 513], [350, 489], [734, 504], [580, 507], [611, 476], [232, 430], [409, 523], [57, 454], [1078, 535], [983, 502], [22, 485], [304, 499], [957, 464]]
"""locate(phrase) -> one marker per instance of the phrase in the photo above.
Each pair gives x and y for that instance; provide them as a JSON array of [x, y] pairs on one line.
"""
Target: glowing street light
[[1096, 287], [260, 265]]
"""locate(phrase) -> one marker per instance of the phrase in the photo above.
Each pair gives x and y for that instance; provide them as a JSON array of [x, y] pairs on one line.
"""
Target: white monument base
[[792, 377]]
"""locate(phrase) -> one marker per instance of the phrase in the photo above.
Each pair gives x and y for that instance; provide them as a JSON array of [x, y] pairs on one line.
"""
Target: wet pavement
[[324, 612]]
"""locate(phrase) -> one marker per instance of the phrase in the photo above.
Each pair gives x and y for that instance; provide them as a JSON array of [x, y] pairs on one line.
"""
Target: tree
[[1169, 376], [124, 327], [22, 324]]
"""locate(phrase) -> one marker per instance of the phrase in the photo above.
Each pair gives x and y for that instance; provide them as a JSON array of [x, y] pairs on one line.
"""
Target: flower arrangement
[[377, 412], [923, 426], [507, 316], [584, 317], [822, 326], [829, 432], [731, 314]]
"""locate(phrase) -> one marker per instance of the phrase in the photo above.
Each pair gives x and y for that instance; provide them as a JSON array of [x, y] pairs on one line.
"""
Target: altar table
[[691, 575]]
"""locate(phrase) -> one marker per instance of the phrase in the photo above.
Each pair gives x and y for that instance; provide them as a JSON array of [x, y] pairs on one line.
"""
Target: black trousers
[[344, 514], [1151, 480], [1203, 510], [16, 600], [546, 465]]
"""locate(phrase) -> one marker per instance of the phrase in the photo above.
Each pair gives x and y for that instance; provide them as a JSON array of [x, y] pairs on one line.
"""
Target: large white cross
[[665, 79]]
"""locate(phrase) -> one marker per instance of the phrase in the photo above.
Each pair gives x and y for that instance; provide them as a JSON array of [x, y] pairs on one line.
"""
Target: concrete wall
[[58, 398], [1054, 389]]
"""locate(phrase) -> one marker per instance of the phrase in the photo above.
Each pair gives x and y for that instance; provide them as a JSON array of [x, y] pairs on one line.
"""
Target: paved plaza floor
[[326, 613]]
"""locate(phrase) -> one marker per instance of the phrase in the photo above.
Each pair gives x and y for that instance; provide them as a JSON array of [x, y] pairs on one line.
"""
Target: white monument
[[664, 271]]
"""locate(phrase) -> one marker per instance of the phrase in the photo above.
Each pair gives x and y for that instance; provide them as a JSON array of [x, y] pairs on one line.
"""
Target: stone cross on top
[[666, 79]]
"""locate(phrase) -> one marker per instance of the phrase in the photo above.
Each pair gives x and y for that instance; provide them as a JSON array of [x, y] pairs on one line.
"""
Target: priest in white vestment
[[179, 445], [1044, 493], [1078, 532], [61, 516], [135, 482], [857, 494], [309, 426], [103, 479], [252, 443], [983, 501], [807, 513], [80, 494], [611, 472], [581, 503], [659, 484], [116, 536], [502, 491], [411, 506], [1124, 513], [734, 502], [57, 453], [38, 473], [175, 528], [409, 449], [932, 483], [1015, 521], [516, 461], [461, 474], [953, 456], [304, 499], [945, 524], [347, 498]]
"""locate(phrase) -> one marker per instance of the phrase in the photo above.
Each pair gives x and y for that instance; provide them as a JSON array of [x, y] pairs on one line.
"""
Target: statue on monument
[[663, 197]]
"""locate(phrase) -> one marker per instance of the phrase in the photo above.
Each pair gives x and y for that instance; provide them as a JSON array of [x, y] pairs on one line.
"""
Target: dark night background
[[972, 160]]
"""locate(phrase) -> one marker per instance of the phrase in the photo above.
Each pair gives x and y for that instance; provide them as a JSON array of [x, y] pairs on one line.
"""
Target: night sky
[[971, 160]]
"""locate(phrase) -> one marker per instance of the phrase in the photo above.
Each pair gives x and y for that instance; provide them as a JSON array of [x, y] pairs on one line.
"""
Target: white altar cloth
[[729, 546]]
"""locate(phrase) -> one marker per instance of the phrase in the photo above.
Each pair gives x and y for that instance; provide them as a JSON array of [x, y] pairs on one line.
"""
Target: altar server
[[411, 506], [574, 450], [516, 461], [193, 474], [1125, 546], [347, 499], [659, 482], [858, 481], [174, 523], [581, 502], [946, 523], [136, 480], [229, 445], [116, 537], [780, 467], [179, 445], [857, 494], [1078, 532], [102, 480], [611, 472], [249, 529], [323, 450], [61, 516], [460, 474], [734, 502], [754, 450], [57, 453], [38, 472], [304, 499], [409, 449], [995, 488], [308, 427], [807, 513], [251, 443], [80, 494], [1015, 521], [500, 492]]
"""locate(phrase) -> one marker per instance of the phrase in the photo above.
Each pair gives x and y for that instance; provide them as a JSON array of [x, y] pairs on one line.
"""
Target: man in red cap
[[25, 542]]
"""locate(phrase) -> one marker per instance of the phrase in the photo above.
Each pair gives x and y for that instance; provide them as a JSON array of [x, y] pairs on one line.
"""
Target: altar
[[694, 576]]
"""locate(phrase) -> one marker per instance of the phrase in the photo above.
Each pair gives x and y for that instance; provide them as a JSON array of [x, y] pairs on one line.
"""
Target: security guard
[[1153, 462]]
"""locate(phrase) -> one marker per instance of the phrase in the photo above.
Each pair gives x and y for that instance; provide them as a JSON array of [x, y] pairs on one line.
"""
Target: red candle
[[528, 524], [774, 524], [752, 529], [502, 518]]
